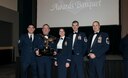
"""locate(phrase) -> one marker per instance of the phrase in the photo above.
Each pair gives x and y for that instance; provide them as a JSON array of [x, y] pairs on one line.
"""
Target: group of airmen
[[69, 52]]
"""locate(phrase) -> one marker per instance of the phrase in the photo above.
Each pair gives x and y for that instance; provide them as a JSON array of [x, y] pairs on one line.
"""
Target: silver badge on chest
[[65, 43], [99, 39], [79, 37]]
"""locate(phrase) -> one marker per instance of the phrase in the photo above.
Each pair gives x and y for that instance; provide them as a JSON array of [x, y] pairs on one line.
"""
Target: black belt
[[73, 53], [59, 50]]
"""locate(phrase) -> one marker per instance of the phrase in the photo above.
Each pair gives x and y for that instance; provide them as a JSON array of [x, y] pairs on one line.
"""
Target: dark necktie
[[96, 33], [61, 38], [30, 37], [75, 33]]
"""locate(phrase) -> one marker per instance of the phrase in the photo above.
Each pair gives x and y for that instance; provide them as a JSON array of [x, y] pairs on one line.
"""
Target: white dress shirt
[[31, 35], [60, 42], [93, 38], [74, 37]]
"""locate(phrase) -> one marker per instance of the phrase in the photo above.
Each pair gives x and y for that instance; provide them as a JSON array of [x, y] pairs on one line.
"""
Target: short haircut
[[31, 25], [75, 22], [62, 29], [46, 25], [96, 22]]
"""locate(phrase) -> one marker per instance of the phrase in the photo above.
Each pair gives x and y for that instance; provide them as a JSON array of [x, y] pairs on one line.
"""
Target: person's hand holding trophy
[[47, 50]]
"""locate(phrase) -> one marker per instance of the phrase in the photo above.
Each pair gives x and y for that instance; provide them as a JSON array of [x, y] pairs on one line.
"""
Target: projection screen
[[61, 13]]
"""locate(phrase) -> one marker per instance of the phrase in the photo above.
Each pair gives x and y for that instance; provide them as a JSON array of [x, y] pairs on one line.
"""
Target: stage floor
[[113, 68], [8, 71], [110, 57]]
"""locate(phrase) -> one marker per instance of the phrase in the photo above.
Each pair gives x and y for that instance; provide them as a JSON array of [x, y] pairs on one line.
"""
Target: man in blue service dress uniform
[[63, 57], [43, 61], [28, 58], [79, 47], [98, 45]]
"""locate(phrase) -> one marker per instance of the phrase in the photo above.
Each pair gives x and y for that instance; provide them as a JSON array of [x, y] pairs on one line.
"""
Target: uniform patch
[[85, 39], [107, 41], [79, 37], [65, 43], [99, 39], [18, 41]]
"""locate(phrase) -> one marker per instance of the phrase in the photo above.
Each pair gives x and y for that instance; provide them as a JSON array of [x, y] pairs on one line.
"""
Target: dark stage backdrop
[[5, 34], [5, 41]]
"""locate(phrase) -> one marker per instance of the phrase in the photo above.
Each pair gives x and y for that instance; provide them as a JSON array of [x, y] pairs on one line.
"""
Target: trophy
[[47, 50]]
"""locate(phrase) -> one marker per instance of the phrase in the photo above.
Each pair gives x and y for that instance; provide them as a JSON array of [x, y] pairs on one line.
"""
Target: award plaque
[[47, 50]]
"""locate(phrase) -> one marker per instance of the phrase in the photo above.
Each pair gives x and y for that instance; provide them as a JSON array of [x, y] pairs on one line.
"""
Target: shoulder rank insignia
[[107, 40], [18, 41]]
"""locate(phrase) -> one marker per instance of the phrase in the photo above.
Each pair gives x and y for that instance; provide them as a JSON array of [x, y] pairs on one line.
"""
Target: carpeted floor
[[7, 71]]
